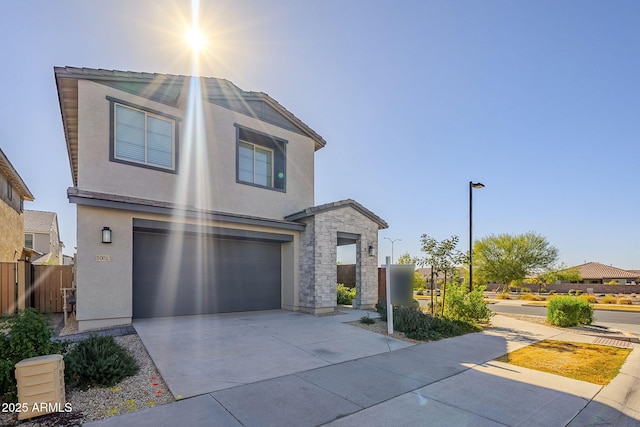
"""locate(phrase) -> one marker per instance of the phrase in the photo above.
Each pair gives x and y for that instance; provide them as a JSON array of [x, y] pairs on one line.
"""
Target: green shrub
[[460, 304], [367, 320], [345, 294], [98, 361], [28, 334], [568, 311], [420, 292], [608, 299], [381, 308], [579, 292], [525, 290], [424, 327]]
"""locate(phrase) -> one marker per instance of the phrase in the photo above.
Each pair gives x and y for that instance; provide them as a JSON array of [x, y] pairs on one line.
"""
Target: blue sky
[[538, 100]]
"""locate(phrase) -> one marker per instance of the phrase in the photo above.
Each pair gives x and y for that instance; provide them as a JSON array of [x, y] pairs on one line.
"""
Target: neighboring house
[[13, 193], [67, 260], [41, 233], [194, 196], [596, 273]]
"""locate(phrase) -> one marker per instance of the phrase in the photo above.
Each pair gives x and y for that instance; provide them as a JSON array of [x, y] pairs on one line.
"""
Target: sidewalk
[[448, 382]]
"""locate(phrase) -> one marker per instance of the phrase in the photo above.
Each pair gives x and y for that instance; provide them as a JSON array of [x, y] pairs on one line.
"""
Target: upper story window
[[9, 191], [28, 240], [143, 138], [261, 159], [255, 164]]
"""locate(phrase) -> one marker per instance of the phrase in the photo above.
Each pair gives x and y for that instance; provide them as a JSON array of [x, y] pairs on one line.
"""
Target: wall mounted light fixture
[[106, 235], [372, 250]]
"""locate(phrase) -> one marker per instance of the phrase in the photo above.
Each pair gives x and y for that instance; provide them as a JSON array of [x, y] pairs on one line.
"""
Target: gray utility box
[[40, 385]]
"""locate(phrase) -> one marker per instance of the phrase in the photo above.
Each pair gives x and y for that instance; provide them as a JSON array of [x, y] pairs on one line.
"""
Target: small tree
[[505, 258], [441, 256], [406, 258]]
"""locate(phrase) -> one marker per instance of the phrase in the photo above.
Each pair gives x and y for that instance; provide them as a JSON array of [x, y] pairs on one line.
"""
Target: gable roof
[[11, 175], [595, 270], [166, 89], [39, 221], [338, 205]]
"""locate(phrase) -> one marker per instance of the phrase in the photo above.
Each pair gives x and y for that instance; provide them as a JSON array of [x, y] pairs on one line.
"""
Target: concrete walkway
[[452, 382]]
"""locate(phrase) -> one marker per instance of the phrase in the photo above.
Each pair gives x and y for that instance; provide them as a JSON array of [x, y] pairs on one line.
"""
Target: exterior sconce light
[[106, 235], [372, 250]]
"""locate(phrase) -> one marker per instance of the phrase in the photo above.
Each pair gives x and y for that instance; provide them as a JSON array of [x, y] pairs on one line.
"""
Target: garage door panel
[[211, 275]]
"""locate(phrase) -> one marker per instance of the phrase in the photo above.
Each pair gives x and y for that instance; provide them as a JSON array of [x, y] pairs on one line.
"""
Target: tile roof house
[[41, 233], [594, 273], [13, 193], [195, 196]]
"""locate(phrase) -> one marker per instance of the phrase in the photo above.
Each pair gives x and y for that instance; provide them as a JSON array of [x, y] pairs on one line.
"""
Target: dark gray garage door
[[176, 274]]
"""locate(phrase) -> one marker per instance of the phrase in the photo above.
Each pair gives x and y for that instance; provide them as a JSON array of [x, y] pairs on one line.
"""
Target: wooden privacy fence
[[8, 283], [47, 280]]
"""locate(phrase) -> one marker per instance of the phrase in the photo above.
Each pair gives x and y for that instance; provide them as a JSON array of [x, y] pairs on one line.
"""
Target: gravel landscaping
[[142, 390]]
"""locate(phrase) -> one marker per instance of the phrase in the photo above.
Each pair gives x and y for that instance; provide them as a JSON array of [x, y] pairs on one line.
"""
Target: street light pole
[[472, 185], [392, 242]]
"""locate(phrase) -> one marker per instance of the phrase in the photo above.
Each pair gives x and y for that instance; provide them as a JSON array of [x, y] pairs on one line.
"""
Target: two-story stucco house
[[194, 196], [42, 234], [13, 193]]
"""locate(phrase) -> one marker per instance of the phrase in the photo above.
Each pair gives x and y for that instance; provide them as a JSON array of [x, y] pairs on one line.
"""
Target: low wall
[[563, 288], [347, 275]]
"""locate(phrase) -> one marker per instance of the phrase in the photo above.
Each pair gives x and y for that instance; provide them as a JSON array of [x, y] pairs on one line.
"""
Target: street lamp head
[[476, 184]]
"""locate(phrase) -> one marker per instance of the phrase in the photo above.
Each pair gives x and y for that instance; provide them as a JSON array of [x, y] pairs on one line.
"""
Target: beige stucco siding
[[11, 237], [105, 288], [207, 161]]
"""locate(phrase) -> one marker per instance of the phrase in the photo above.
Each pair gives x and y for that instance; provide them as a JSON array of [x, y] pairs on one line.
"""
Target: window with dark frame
[[143, 137], [261, 159], [28, 240], [9, 191]]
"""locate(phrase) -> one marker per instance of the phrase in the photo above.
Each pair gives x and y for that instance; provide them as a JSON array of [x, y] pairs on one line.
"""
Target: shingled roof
[[595, 270], [39, 221]]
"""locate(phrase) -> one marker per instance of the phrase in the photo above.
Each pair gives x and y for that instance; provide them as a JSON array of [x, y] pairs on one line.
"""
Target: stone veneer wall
[[318, 272]]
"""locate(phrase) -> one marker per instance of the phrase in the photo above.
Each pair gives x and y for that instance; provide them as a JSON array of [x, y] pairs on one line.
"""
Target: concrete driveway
[[201, 354]]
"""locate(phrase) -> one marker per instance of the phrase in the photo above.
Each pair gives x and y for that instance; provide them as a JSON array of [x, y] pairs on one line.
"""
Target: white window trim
[[271, 154], [146, 115]]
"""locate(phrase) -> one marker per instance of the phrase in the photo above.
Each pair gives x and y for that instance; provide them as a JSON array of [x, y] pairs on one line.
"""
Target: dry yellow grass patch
[[596, 364]]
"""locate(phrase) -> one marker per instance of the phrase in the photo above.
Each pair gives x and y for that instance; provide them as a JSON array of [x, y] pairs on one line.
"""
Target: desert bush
[[591, 299], [98, 361], [503, 295], [345, 294], [608, 299], [579, 292], [28, 334], [424, 327], [568, 311], [625, 301], [420, 292], [525, 290], [381, 308], [572, 292], [367, 320], [552, 292], [531, 297]]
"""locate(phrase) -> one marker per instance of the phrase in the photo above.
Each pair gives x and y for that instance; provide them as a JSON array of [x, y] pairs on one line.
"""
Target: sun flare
[[195, 39]]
